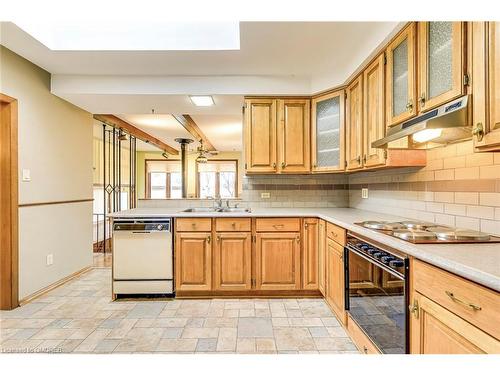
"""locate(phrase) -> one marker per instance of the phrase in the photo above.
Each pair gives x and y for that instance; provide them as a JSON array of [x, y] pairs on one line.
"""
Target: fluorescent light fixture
[[134, 35], [426, 135], [202, 100]]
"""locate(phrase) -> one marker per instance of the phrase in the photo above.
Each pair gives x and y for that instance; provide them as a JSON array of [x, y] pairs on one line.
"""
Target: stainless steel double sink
[[213, 209]]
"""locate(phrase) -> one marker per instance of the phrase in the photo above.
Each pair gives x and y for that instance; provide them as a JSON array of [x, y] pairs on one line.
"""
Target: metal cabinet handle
[[466, 304], [358, 159], [409, 105], [283, 165], [233, 225], [274, 165], [217, 238], [421, 100], [208, 239], [364, 159], [334, 234], [478, 131], [414, 308], [277, 226], [298, 239], [306, 225], [365, 349]]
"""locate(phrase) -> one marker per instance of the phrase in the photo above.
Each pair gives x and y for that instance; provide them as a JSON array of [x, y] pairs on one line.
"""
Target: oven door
[[377, 299]]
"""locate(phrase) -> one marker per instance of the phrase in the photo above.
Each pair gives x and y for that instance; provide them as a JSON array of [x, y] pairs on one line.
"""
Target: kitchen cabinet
[[260, 136], [321, 256], [335, 278], [294, 136], [193, 261], [354, 124], [310, 263], [435, 330], [233, 261], [277, 135], [373, 112], [486, 85], [441, 63], [277, 261], [401, 88], [328, 132]]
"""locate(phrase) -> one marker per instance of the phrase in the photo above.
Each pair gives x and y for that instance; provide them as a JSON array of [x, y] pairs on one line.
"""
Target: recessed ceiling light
[[202, 100]]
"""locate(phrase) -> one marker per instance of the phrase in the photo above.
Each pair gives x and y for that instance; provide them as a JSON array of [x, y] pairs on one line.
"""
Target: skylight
[[127, 36]]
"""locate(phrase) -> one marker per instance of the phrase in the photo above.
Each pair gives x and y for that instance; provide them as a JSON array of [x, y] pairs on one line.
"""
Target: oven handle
[[380, 265]]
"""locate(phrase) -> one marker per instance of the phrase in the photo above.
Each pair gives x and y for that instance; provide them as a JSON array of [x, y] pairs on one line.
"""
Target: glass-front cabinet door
[[441, 66], [328, 139], [400, 86]]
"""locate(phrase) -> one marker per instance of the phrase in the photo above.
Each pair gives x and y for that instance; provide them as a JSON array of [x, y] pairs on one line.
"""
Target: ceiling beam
[[188, 123], [116, 122]]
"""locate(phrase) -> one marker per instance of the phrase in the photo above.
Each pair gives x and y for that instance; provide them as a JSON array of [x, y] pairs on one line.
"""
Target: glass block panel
[[440, 58], [400, 78], [328, 132]]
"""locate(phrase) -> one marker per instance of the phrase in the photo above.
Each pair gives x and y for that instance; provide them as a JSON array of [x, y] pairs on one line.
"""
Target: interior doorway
[[9, 298]]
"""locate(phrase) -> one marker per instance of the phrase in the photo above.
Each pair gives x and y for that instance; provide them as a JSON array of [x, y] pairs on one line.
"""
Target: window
[[217, 178], [163, 179]]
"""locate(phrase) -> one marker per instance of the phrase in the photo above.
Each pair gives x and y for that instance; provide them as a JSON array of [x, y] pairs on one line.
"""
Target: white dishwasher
[[142, 256]]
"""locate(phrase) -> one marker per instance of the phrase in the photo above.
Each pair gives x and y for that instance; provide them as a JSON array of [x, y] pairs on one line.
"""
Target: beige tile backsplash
[[457, 187]]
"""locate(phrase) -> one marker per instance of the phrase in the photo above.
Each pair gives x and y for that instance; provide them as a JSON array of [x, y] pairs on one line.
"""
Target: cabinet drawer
[[336, 233], [193, 224], [278, 225], [472, 302], [228, 224], [364, 344]]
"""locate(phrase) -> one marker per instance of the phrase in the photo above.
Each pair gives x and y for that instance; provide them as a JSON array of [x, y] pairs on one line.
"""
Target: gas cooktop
[[423, 232]]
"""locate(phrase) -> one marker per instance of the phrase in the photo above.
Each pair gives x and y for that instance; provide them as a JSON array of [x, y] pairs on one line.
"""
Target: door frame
[[9, 216]]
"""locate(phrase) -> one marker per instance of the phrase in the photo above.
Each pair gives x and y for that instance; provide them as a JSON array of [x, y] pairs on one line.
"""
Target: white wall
[[55, 143]]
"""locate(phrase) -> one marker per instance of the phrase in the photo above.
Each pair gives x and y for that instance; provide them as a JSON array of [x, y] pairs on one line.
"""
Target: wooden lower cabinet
[[435, 330], [277, 261], [321, 256], [310, 254], [233, 261], [193, 261], [335, 278]]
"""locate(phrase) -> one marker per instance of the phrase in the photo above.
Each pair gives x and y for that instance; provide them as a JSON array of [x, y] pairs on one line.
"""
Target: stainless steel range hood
[[445, 124]]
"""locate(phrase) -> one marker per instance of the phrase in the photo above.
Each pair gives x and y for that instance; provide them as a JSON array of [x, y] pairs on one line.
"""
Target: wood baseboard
[[52, 286], [250, 294]]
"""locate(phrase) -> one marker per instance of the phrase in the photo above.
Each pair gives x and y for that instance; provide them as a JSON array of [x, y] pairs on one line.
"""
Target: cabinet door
[[293, 136], [374, 111], [354, 124], [335, 278], [327, 133], [486, 85], [441, 66], [277, 261], [401, 78], [193, 261], [435, 330], [321, 256], [310, 254], [233, 261], [260, 135]]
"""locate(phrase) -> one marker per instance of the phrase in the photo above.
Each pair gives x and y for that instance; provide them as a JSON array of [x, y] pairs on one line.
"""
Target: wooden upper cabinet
[[435, 330], [401, 88], [233, 261], [486, 85], [354, 124], [277, 261], [294, 136], [441, 63], [193, 261], [328, 133], [260, 135], [310, 262], [373, 112]]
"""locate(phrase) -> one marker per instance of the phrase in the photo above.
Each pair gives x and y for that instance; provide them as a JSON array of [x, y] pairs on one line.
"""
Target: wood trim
[[9, 211], [52, 286], [116, 122], [190, 125], [55, 202]]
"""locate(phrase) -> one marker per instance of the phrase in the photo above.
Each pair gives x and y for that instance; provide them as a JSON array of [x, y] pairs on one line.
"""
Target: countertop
[[477, 262]]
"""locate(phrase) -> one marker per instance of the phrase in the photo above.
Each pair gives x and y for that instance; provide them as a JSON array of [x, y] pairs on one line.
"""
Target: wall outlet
[[50, 259], [26, 175], [265, 195], [364, 193]]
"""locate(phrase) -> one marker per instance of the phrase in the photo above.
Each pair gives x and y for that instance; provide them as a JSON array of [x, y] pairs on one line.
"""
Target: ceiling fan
[[203, 153]]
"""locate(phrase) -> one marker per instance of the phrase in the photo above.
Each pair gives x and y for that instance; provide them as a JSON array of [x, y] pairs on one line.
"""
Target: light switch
[[364, 193], [265, 195], [26, 175]]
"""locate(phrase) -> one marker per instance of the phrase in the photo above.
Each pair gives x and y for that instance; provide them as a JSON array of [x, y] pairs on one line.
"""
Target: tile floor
[[79, 317]]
